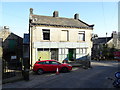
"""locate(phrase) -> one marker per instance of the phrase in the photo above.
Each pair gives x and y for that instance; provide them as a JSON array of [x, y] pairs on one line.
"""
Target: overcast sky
[[104, 15]]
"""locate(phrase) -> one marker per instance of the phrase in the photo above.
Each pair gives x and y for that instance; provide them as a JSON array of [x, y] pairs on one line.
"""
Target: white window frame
[[81, 36], [67, 36]]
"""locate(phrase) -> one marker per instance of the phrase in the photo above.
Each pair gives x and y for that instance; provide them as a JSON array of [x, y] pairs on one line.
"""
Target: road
[[95, 77]]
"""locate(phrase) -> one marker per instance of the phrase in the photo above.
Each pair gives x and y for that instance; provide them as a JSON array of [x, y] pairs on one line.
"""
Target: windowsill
[[45, 41], [81, 41], [64, 41]]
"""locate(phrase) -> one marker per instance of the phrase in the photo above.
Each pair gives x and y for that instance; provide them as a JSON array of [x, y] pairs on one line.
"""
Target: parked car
[[50, 65]]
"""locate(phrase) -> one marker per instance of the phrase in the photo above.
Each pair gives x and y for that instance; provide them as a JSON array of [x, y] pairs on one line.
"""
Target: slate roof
[[60, 22], [102, 40]]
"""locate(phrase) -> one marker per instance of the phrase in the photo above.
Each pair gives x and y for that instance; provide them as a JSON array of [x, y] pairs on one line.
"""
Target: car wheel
[[40, 71], [64, 70]]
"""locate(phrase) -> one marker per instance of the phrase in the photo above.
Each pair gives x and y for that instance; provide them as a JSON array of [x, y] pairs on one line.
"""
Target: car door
[[47, 66], [54, 65]]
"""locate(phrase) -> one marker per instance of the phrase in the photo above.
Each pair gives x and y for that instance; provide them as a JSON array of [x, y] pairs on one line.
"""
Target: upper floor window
[[81, 36], [64, 35], [46, 34]]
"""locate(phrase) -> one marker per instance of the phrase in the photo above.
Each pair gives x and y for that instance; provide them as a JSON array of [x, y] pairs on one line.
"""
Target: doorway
[[72, 54]]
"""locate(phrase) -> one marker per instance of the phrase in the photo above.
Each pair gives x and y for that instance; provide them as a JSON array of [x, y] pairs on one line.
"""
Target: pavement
[[35, 79], [19, 76]]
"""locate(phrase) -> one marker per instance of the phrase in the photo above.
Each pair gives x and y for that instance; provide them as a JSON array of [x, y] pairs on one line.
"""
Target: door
[[54, 65], [47, 66], [54, 54], [72, 54]]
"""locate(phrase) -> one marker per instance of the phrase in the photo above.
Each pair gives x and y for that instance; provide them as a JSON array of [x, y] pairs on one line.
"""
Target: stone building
[[54, 37], [12, 44], [99, 44]]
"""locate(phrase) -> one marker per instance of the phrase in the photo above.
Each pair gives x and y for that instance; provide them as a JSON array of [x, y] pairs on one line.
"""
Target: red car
[[50, 65]]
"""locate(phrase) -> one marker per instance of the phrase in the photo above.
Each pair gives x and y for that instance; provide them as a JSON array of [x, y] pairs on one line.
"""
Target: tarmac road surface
[[95, 77]]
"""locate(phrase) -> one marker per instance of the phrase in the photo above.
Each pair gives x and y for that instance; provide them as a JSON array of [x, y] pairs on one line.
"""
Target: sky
[[104, 15]]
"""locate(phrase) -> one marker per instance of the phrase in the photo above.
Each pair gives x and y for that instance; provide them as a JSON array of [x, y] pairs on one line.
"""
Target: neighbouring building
[[12, 45], [105, 45], [59, 38], [12, 55]]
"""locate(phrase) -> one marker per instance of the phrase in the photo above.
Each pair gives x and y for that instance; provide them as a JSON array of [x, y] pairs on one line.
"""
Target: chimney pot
[[76, 16], [55, 14], [6, 27]]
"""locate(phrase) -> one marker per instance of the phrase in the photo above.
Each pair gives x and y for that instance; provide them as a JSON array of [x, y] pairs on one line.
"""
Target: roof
[[102, 40], [59, 22]]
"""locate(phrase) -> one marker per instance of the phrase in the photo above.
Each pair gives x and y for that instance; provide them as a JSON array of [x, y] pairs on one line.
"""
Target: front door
[[72, 54]]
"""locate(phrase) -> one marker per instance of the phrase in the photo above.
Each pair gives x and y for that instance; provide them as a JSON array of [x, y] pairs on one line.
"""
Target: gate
[[11, 71]]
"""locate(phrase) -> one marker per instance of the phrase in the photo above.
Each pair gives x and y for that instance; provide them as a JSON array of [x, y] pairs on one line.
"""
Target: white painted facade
[[82, 48]]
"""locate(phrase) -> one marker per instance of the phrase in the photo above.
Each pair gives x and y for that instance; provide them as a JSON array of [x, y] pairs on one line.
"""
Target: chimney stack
[[55, 14], [76, 16], [6, 27], [31, 10]]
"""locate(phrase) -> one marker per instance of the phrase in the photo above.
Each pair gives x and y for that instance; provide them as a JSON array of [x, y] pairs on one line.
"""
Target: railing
[[10, 69]]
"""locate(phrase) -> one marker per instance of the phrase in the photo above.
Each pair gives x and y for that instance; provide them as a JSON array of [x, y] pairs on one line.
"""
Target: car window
[[54, 63], [47, 62], [41, 62]]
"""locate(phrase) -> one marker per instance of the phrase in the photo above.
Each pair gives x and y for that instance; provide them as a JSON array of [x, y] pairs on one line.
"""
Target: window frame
[[46, 32], [67, 36], [80, 33]]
